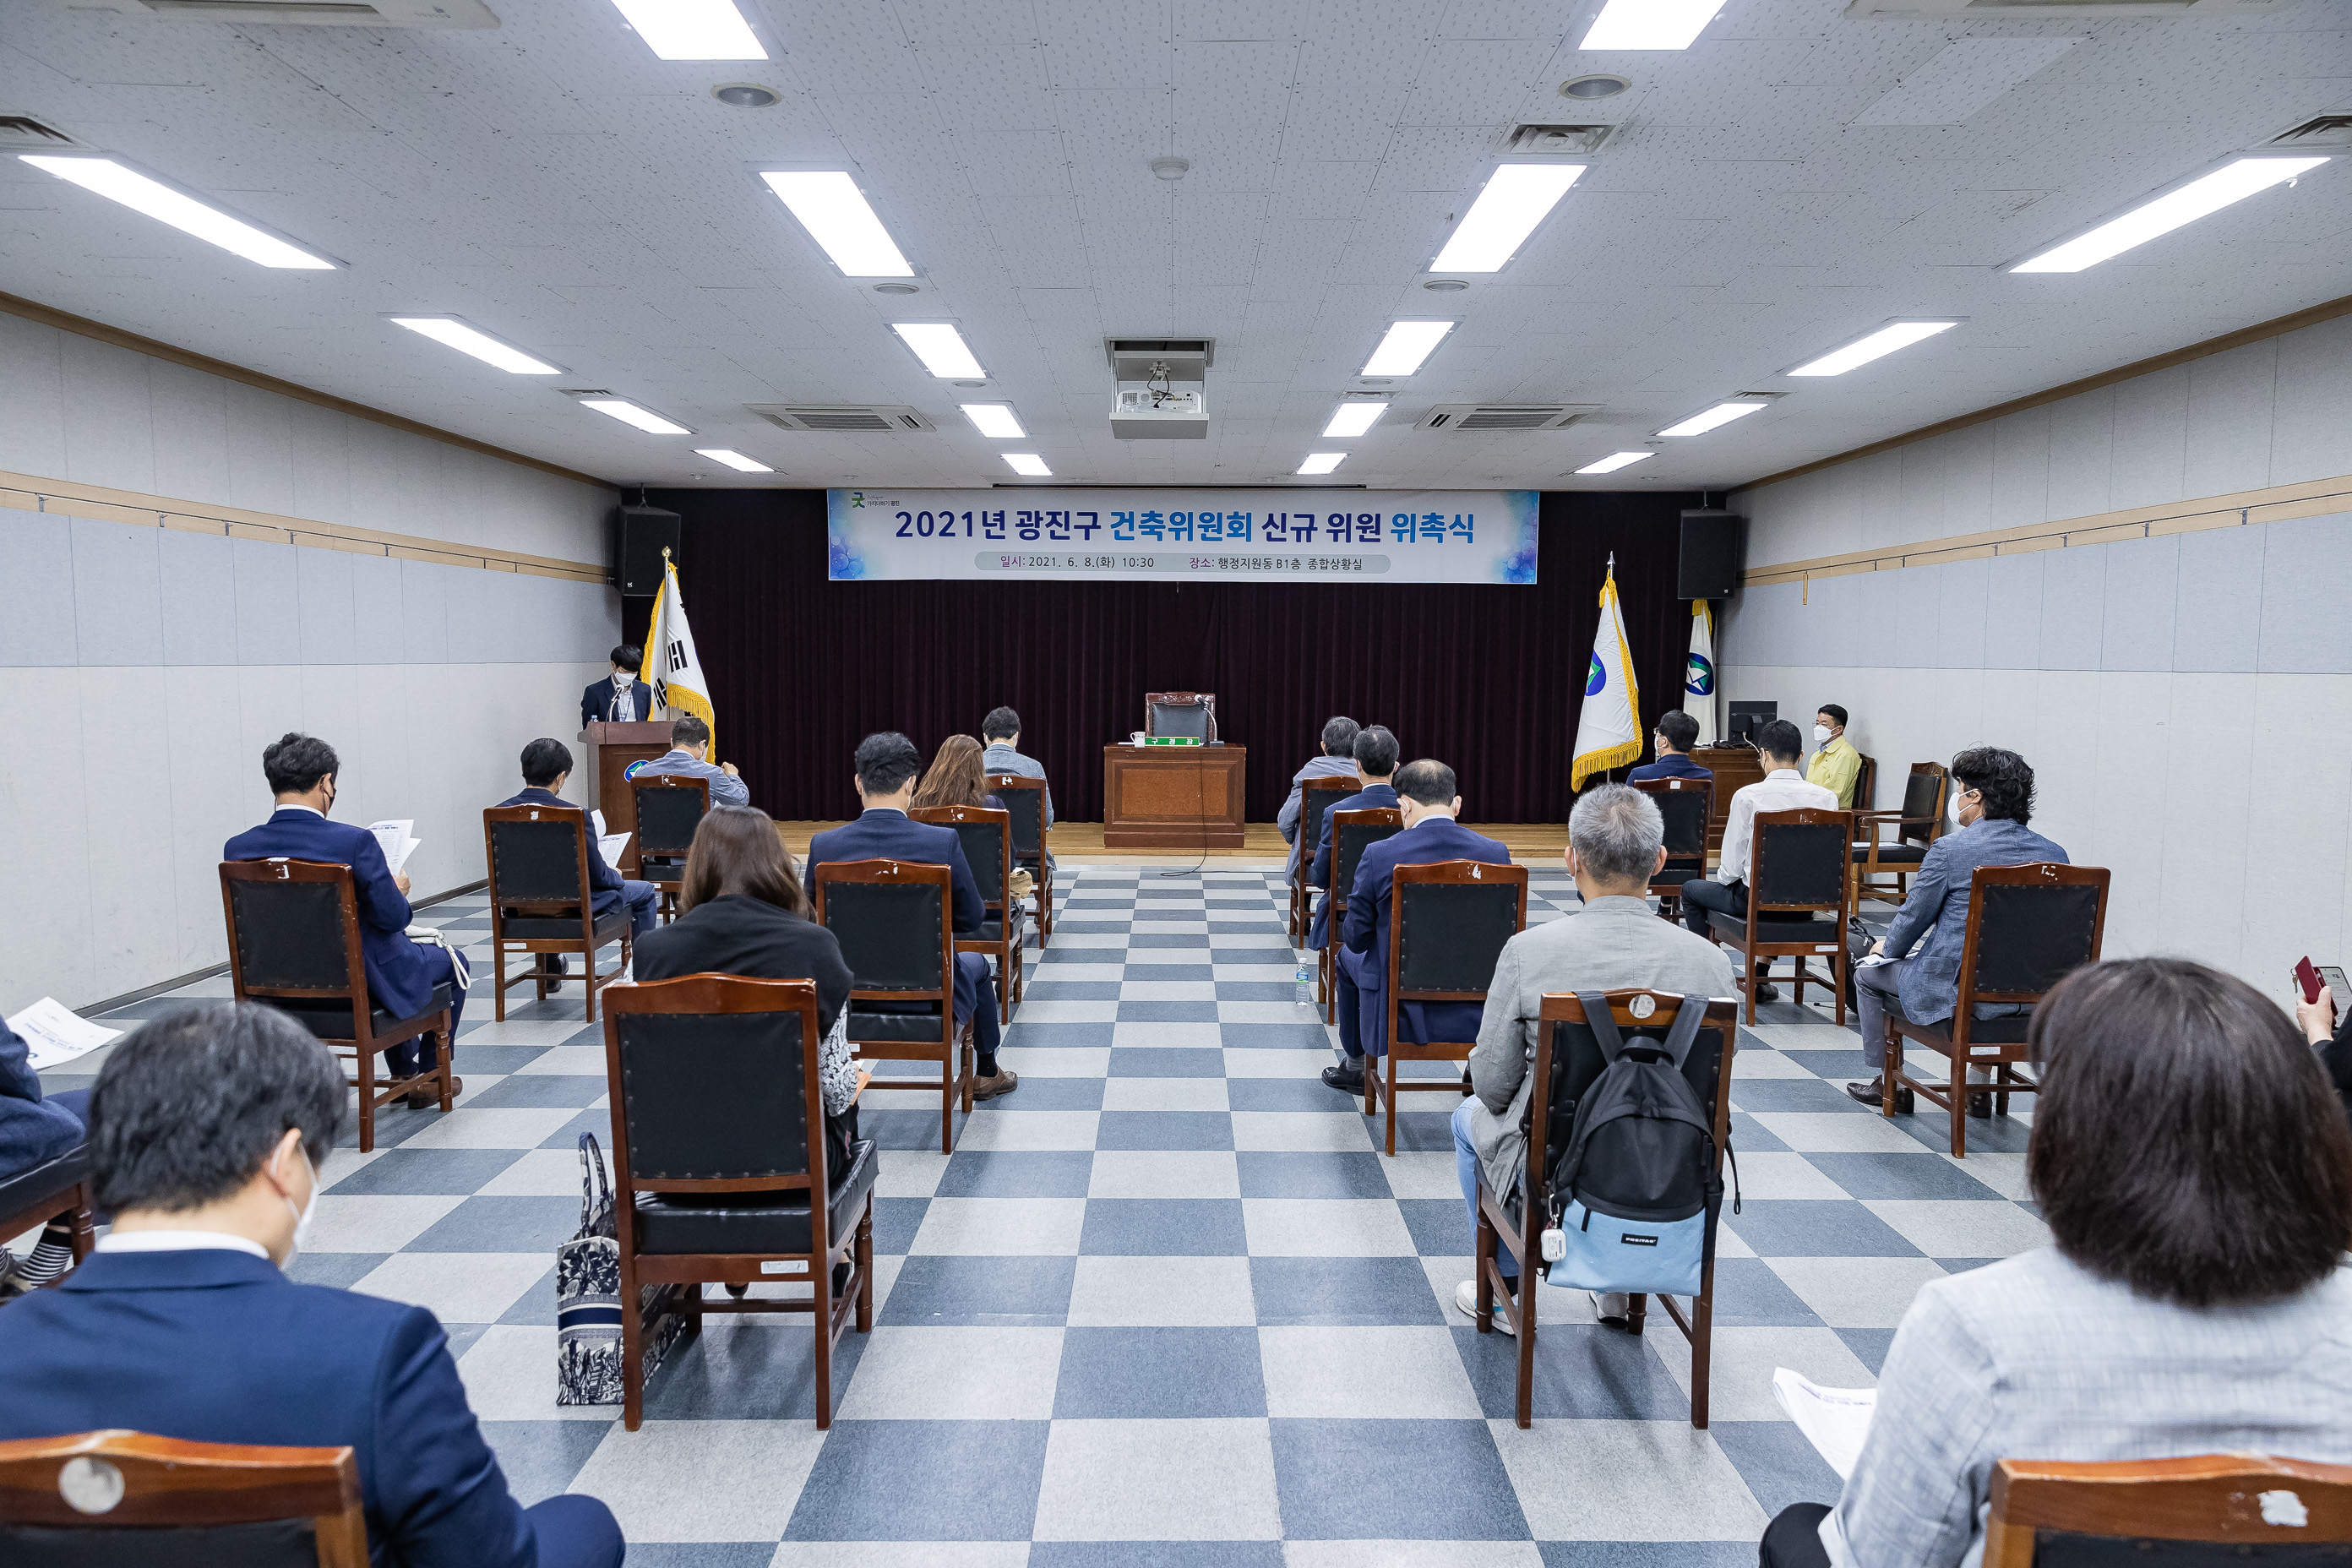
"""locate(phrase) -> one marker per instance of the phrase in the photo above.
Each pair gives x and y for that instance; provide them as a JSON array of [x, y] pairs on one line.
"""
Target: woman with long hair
[[956, 776]]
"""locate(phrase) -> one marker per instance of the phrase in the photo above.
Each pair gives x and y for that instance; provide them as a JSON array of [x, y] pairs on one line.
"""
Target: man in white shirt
[[1782, 788]]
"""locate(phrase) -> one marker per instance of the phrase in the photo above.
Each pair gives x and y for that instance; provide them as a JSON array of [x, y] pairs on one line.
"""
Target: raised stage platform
[[1081, 844]]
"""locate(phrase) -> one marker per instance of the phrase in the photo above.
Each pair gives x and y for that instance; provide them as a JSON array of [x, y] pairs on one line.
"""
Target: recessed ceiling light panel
[[632, 413], [1650, 24], [1615, 461], [2233, 182], [1875, 345], [733, 460], [452, 332], [1028, 464], [1403, 346], [1322, 462], [829, 205], [166, 204], [940, 347], [1354, 418], [692, 29], [1516, 197], [1715, 418], [995, 420]]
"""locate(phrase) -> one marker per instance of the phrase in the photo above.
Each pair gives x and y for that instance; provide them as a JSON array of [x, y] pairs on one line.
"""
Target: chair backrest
[[1317, 796], [536, 855], [670, 806], [2029, 928], [987, 836], [1447, 924], [2206, 1512], [1798, 861], [895, 922], [1353, 833], [123, 1497], [1025, 802], [714, 1085], [1688, 806], [1568, 1061], [1182, 715], [1923, 803], [293, 930]]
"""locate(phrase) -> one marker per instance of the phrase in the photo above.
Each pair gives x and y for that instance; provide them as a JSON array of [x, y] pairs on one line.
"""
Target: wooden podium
[[1735, 767], [1172, 797], [612, 747]]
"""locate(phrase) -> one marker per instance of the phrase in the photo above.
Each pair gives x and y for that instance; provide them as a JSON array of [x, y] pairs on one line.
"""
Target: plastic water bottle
[[1304, 978]]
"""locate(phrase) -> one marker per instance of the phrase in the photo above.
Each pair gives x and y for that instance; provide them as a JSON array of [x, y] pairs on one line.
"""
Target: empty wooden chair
[[294, 943], [1315, 796], [1352, 832], [670, 806], [2029, 928], [1688, 807], [54, 1189], [102, 1497], [1912, 829], [718, 1156], [1567, 1062], [1447, 924], [2212, 1511], [895, 922], [1797, 902], [542, 902], [1025, 802], [987, 836]]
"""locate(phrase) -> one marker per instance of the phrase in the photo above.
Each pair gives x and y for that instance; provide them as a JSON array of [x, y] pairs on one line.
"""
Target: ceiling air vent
[[877, 418], [1467, 417], [305, 13], [1574, 141], [2023, 8], [22, 133], [2327, 130]]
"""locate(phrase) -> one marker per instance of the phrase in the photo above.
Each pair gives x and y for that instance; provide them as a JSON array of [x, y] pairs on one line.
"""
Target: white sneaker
[[1466, 1301]]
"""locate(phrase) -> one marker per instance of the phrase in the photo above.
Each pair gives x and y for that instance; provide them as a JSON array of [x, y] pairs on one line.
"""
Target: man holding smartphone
[[2324, 1025]]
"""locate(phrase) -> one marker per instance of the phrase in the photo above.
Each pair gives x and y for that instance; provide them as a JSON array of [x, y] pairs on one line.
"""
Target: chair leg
[[1841, 971], [1956, 1089], [84, 1236], [948, 1100], [822, 1287], [633, 1368], [1391, 1060], [1004, 957], [1702, 1349], [1523, 1414], [445, 1058], [1482, 1258], [865, 1246], [498, 978], [365, 1061]]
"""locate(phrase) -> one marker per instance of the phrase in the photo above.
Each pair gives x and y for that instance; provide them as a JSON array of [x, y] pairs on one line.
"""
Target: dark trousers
[[1793, 1538], [974, 980], [1703, 896], [409, 1056], [576, 1532]]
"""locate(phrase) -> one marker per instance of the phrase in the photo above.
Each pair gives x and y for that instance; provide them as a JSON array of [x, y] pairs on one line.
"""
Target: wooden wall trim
[[2278, 327], [82, 326], [2275, 503], [31, 492]]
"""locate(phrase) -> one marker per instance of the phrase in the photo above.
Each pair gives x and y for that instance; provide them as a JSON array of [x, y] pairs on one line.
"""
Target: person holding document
[[546, 765], [401, 974]]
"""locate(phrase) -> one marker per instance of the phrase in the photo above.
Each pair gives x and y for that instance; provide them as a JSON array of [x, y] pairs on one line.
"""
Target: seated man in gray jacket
[[687, 757], [1616, 842]]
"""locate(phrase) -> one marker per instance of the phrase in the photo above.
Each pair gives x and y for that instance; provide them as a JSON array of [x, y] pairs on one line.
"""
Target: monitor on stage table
[[1181, 715]]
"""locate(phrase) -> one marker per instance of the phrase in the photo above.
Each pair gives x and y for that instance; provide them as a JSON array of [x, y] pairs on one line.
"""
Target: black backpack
[[1640, 1146]]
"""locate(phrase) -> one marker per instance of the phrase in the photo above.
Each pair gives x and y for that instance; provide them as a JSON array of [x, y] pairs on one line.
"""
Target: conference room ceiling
[[553, 183]]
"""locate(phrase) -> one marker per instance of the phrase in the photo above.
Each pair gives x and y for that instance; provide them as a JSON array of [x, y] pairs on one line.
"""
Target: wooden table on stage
[[611, 748], [1735, 767], [1172, 797]]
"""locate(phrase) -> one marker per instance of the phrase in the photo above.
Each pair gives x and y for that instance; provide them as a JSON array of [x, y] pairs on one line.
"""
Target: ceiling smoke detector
[[746, 95], [1445, 285], [1172, 168], [896, 289]]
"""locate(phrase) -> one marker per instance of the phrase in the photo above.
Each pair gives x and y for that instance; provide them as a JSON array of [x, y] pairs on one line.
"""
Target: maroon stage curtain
[[1485, 678]]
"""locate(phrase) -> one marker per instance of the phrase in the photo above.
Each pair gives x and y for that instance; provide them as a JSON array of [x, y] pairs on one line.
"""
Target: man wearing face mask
[[1836, 765], [620, 695], [207, 1129], [1992, 798]]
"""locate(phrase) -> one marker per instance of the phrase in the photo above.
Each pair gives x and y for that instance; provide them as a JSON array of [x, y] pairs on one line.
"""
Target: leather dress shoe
[[1349, 1078], [1981, 1106], [1004, 1081], [1872, 1094], [426, 1099], [1767, 992]]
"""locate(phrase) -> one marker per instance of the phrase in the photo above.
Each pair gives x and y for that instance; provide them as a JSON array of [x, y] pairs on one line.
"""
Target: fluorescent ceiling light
[[733, 460], [628, 413], [1354, 417], [692, 29], [1322, 462], [1650, 24], [941, 348], [1404, 346], [182, 211], [995, 420], [2233, 181], [1878, 346], [454, 334], [834, 211], [1721, 414], [1615, 461], [1516, 198], [1028, 463]]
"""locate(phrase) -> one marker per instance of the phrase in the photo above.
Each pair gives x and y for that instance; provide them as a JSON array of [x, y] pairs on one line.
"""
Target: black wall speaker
[[640, 536], [1714, 555]]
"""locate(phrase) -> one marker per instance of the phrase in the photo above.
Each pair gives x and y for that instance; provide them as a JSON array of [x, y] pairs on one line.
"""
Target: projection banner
[[1370, 536]]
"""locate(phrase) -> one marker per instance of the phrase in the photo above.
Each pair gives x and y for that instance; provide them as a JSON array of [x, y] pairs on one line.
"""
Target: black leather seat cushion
[[752, 1222], [2008, 1030], [1726, 928], [1892, 854], [332, 1020], [910, 1026], [661, 871], [989, 930], [520, 927], [44, 1181]]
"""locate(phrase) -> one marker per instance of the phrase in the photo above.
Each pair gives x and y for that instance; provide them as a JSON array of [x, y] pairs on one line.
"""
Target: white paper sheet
[[398, 840], [596, 823], [610, 846], [53, 1033], [1833, 1420]]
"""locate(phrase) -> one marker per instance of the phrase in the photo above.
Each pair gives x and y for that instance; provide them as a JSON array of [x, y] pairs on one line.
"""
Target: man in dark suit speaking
[[620, 695]]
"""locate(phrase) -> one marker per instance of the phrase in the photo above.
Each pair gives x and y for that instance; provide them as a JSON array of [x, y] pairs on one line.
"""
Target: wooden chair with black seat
[[90, 1500], [1352, 832], [1567, 1061], [987, 836], [1448, 921], [1315, 796], [1798, 894], [2207, 1511], [54, 1189], [1865, 782], [1919, 825], [294, 943], [670, 806], [2029, 928], [1688, 807], [1025, 802], [541, 901], [895, 922], [718, 1153]]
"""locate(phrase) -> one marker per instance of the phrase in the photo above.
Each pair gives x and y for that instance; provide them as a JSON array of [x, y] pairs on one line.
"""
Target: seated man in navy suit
[[887, 765], [1376, 764], [206, 1131], [546, 765], [401, 974], [1427, 801], [1672, 738]]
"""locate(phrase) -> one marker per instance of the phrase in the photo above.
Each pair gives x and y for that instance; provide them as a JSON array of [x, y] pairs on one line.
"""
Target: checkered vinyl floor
[[1169, 1292]]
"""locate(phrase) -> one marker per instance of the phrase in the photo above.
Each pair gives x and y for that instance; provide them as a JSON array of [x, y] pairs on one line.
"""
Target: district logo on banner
[[1607, 726], [678, 683], [1698, 682]]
